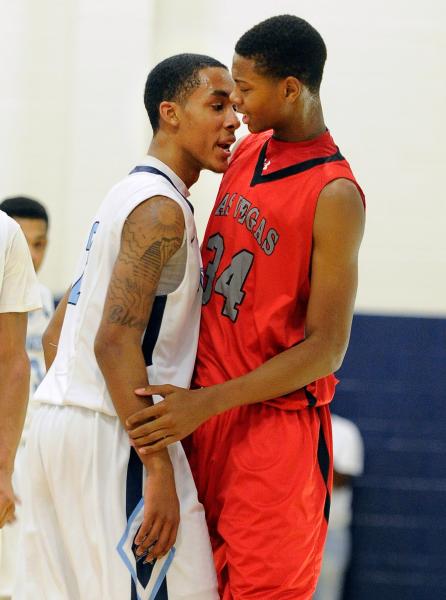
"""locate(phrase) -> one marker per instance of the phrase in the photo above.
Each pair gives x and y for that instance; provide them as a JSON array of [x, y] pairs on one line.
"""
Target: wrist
[[156, 463], [214, 400]]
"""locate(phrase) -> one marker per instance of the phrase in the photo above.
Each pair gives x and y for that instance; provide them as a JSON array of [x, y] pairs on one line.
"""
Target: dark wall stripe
[[153, 329]]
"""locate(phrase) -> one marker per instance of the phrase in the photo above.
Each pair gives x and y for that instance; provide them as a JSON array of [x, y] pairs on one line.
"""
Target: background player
[[348, 462], [19, 294], [32, 217], [280, 258], [131, 315]]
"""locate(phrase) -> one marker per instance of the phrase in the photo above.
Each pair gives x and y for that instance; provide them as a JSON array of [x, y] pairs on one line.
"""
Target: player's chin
[[257, 127], [219, 165]]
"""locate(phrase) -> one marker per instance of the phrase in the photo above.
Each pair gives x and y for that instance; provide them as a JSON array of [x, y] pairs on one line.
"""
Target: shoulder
[[157, 209], [8, 227], [340, 204], [342, 190]]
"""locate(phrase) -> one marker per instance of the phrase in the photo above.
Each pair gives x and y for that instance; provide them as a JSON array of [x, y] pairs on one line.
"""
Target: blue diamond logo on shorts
[[147, 577]]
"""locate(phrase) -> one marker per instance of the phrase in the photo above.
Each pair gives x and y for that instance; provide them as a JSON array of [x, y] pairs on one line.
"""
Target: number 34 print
[[230, 283]]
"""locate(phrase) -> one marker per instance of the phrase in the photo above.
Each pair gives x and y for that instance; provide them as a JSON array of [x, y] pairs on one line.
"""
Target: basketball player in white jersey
[[101, 521], [19, 294]]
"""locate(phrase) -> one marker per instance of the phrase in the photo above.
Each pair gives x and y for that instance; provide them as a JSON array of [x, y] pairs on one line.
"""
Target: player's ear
[[292, 88], [168, 113]]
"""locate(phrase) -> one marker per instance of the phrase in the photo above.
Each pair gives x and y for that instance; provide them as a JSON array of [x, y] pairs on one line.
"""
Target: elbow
[[109, 348], [100, 348], [336, 354]]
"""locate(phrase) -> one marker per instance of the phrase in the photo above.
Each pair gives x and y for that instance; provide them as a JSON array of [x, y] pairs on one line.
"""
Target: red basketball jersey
[[257, 259]]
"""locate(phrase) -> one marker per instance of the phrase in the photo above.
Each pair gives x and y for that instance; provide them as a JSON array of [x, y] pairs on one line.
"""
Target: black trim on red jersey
[[292, 169], [323, 458], [312, 400]]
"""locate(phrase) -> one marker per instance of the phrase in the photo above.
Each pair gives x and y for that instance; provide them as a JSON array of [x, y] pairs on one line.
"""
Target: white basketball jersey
[[170, 340], [19, 290]]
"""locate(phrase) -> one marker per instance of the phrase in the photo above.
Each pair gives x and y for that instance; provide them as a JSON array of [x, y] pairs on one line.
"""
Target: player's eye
[[218, 106]]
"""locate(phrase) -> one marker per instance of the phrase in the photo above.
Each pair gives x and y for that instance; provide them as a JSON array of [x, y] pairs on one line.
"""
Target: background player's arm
[[14, 390], [152, 233], [50, 338], [337, 234]]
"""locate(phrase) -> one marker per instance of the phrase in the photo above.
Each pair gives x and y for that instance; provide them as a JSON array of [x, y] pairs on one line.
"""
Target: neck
[[307, 122], [163, 148]]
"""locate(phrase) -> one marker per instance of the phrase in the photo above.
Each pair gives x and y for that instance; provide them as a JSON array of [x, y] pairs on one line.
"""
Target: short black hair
[[284, 46], [173, 79], [25, 208]]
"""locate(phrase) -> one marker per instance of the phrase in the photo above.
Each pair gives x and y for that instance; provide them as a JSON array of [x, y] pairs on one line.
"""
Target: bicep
[[337, 234], [151, 234]]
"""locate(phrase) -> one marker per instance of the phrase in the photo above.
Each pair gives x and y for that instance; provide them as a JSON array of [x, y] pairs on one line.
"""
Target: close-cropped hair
[[25, 208], [174, 79], [284, 46]]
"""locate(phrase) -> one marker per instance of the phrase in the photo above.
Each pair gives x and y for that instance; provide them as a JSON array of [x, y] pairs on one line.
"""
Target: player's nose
[[232, 121]]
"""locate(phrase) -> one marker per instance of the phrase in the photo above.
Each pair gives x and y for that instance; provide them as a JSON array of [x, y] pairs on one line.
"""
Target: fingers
[[155, 390], [7, 513], [165, 542], [153, 426], [146, 414], [153, 438], [156, 540], [160, 445]]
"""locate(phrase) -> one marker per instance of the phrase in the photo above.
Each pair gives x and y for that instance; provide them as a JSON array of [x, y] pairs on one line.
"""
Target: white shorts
[[81, 510]]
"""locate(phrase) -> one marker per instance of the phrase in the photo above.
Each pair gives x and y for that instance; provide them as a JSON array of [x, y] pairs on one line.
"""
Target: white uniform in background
[[37, 323], [19, 292], [348, 459], [83, 503]]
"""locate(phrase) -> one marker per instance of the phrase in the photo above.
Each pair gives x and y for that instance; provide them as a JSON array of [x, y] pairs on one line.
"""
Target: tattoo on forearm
[[145, 250], [121, 316]]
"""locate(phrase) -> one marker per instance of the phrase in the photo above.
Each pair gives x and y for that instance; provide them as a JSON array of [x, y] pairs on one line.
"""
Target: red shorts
[[264, 476]]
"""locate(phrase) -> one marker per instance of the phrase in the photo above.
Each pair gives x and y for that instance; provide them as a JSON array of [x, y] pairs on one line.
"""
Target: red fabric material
[[258, 476], [257, 467], [272, 223]]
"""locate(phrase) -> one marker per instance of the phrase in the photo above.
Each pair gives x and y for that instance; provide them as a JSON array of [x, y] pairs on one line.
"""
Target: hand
[[158, 530], [179, 414], [7, 499]]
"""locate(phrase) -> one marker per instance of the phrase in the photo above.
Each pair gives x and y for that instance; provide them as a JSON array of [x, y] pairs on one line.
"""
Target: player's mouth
[[245, 119], [225, 146]]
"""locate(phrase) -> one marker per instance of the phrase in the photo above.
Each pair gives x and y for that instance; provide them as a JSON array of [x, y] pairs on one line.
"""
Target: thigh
[[75, 508]]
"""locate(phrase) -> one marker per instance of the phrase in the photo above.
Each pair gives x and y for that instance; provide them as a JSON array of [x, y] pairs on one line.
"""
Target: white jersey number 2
[[76, 287]]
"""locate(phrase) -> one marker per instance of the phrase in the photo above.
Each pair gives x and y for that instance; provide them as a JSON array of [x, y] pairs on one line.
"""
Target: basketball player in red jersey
[[280, 261]]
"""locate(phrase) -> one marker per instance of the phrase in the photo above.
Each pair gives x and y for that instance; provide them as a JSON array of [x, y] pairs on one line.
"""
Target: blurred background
[[72, 123]]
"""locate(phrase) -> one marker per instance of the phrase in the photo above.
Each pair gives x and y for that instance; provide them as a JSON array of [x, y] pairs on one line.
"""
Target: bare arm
[[14, 390], [50, 338], [337, 234], [152, 233]]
